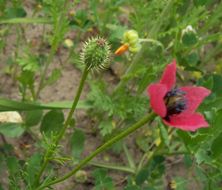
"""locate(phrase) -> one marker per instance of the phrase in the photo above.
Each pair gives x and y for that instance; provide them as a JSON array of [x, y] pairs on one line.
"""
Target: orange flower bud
[[123, 48]]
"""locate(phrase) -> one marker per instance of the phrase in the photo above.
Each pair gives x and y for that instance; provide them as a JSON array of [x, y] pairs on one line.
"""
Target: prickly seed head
[[96, 53]]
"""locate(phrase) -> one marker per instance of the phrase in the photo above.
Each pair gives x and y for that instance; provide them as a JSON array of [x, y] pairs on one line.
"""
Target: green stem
[[102, 148], [49, 153], [152, 41], [75, 102], [113, 167], [129, 157]]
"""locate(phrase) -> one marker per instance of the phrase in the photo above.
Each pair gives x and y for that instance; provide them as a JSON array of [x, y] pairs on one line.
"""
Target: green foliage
[[164, 134], [122, 105], [77, 143], [29, 62], [12, 129], [31, 168], [152, 171], [14, 173], [52, 122], [102, 180], [55, 75], [32, 118], [106, 127]]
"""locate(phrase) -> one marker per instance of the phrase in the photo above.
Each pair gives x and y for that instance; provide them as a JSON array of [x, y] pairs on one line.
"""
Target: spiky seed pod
[[96, 53]]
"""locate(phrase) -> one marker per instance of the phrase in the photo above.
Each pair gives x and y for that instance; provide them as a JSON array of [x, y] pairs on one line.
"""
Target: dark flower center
[[175, 102]]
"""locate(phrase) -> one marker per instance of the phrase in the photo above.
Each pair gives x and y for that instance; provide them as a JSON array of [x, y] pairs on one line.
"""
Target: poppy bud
[[131, 37], [81, 176], [96, 53], [130, 42]]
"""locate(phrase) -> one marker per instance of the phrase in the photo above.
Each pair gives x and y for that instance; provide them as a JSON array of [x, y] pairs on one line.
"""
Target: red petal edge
[[156, 93], [187, 122], [169, 75], [194, 96]]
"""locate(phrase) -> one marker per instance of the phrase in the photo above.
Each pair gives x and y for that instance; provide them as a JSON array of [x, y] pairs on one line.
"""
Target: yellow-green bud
[[135, 48], [96, 53], [130, 37], [81, 176]]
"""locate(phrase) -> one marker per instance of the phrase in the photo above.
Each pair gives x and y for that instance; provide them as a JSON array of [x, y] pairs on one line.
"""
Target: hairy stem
[[113, 167], [102, 148], [49, 153]]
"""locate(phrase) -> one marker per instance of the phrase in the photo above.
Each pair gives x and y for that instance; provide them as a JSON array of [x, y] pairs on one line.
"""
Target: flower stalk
[[147, 118], [49, 153], [95, 55]]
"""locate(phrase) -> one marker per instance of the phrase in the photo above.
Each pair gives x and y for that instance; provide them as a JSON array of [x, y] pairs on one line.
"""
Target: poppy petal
[[194, 96], [187, 122], [157, 93], [169, 75]]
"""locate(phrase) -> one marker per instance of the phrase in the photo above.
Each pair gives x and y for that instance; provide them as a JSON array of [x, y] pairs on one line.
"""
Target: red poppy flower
[[175, 105]]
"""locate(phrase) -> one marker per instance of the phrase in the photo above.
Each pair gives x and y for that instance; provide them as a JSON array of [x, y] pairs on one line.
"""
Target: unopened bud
[[81, 176], [130, 37], [130, 42]]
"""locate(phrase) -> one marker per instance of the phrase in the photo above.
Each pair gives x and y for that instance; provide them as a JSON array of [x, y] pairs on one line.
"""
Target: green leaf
[[188, 160], [216, 146], [11, 129], [189, 39], [29, 62], [192, 59], [12, 105], [200, 2], [192, 142], [132, 187], [106, 127], [14, 173], [77, 143], [155, 167], [13, 165], [32, 167], [56, 74], [208, 82], [52, 122], [217, 120], [217, 85], [164, 134], [181, 183], [142, 176], [202, 156], [25, 21], [14, 12], [26, 78], [131, 184], [33, 117], [1, 188], [102, 181], [143, 143]]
